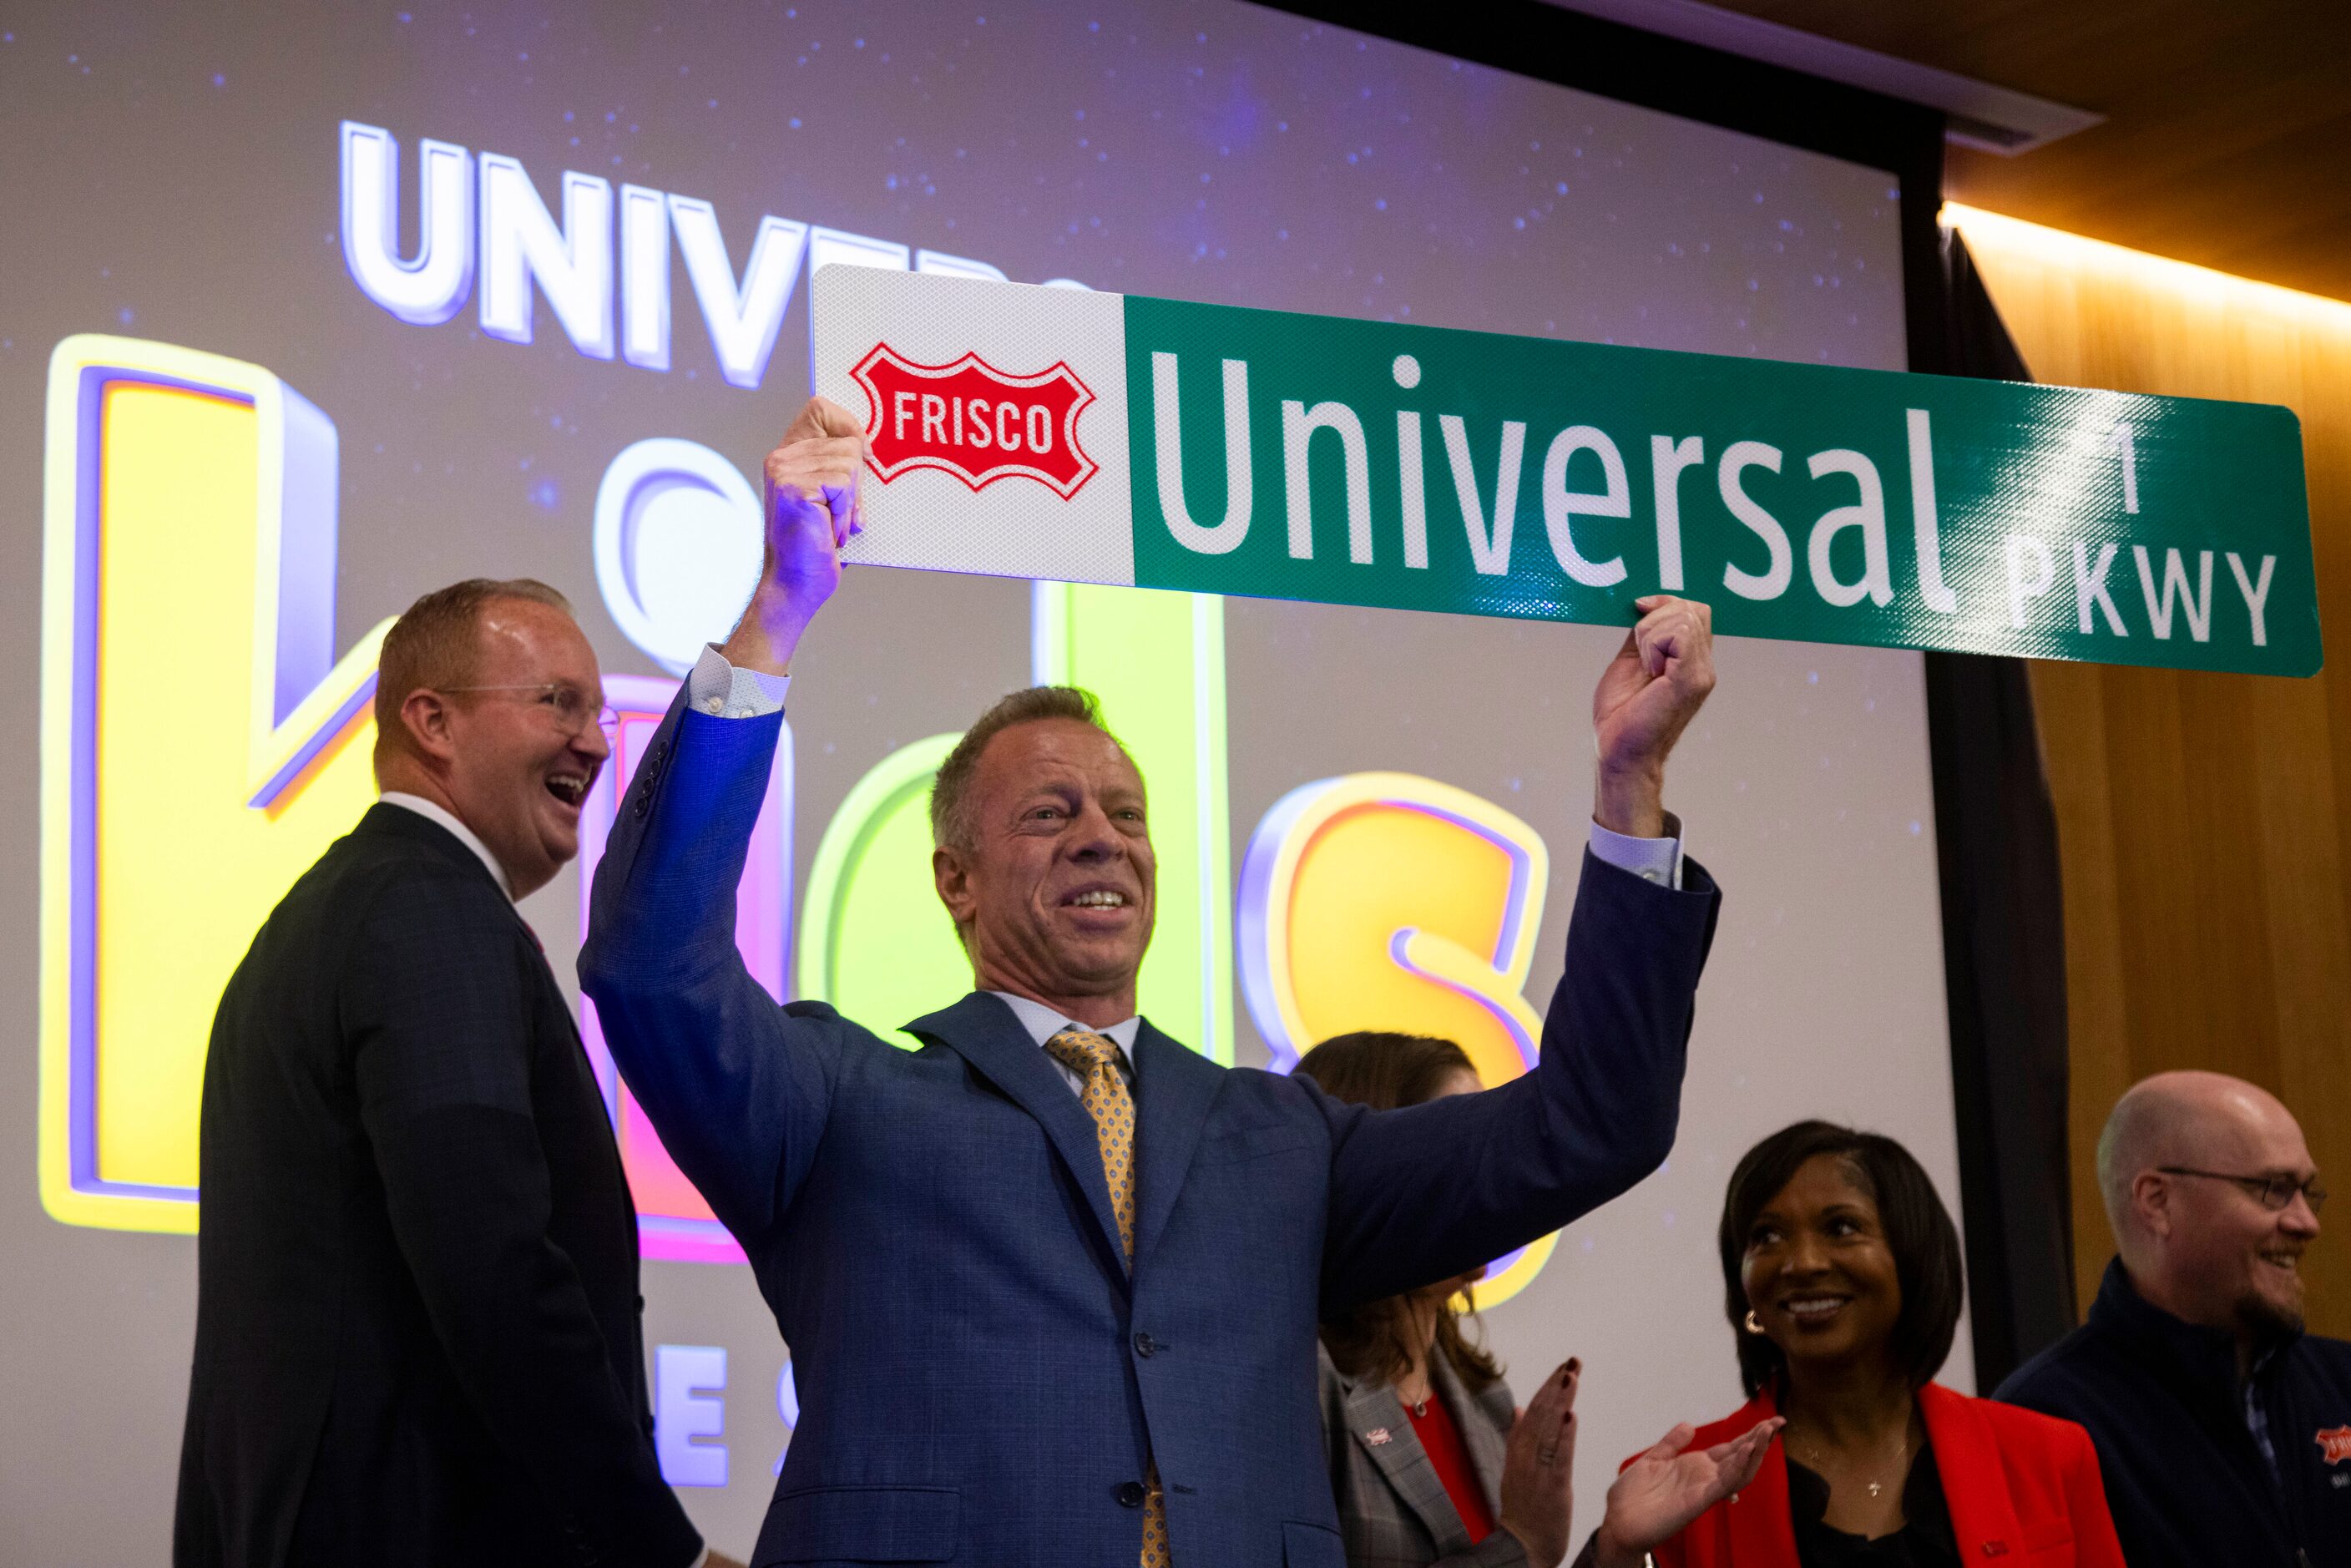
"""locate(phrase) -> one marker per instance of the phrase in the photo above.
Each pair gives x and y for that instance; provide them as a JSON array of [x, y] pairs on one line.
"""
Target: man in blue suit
[[1051, 1282]]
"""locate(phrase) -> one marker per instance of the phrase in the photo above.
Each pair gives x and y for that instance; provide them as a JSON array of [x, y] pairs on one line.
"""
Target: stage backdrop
[[389, 297]]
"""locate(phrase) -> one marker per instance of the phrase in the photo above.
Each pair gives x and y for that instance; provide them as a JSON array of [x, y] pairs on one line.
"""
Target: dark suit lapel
[[1377, 1425], [1174, 1086], [985, 1033]]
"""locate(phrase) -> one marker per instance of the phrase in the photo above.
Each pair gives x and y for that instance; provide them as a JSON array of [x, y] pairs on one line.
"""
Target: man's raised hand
[[1646, 698], [809, 486]]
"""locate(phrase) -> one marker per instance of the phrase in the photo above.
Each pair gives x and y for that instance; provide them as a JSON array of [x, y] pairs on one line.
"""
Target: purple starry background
[[171, 172]]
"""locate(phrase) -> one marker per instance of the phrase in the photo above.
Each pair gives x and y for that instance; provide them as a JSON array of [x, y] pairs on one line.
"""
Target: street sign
[[1091, 437]]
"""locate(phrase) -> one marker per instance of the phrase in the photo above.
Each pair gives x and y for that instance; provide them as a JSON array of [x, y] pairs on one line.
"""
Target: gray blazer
[[1392, 1510]]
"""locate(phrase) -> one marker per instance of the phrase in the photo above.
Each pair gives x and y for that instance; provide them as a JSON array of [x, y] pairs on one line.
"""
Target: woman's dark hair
[[1387, 1072], [1918, 1232]]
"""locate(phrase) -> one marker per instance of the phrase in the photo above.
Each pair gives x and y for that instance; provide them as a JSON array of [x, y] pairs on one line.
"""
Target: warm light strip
[[2074, 253]]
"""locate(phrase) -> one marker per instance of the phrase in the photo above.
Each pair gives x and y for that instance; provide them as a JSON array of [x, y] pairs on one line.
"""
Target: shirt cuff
[[1651, 859], [722, 691], [703, 1560]]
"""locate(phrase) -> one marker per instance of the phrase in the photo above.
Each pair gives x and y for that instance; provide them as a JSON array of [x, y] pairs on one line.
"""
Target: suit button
[[1145, 1345], [1130, 1494]]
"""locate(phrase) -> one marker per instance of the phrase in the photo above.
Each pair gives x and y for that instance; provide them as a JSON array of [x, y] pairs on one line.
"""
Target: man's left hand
[[1646, 698]]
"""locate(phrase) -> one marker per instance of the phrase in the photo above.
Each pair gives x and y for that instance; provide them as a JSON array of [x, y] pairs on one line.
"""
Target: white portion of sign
[[1013, 525]]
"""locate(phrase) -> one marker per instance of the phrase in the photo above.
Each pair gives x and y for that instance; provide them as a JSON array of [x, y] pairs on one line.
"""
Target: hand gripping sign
[[1088, 437]]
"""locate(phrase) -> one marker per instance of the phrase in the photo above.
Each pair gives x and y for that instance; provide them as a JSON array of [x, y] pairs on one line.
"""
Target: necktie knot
[[1081, 1051]]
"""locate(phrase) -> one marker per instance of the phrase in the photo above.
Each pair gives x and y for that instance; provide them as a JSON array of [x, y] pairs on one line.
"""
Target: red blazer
[[2021, 1486]]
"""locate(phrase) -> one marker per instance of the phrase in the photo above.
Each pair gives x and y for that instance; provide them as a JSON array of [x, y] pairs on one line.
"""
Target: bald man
[[2223, 1430]]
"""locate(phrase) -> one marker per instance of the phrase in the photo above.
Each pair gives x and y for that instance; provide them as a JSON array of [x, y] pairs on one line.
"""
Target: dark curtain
[[2003, 941]]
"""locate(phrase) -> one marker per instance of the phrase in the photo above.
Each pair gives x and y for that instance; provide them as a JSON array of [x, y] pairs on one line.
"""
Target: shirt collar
[[458, 830], [1044, 1023]]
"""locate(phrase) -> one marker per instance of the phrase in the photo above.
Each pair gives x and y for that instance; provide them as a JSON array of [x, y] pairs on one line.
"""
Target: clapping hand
[[1660, 1493], [1539, 1468]]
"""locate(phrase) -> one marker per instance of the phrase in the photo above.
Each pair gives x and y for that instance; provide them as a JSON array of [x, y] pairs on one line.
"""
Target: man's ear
[[953, 879], [2151, 1201], [425, 715]]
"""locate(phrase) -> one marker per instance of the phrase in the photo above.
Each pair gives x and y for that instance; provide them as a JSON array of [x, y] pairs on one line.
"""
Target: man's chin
[[2270, 1317]]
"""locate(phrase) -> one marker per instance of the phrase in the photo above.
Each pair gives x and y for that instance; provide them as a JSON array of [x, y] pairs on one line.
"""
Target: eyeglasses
[[571, 709], [2273, 1191]]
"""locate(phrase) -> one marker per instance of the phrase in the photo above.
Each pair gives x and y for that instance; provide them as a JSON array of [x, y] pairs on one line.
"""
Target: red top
[[1440, 1440], [2021, 1487]]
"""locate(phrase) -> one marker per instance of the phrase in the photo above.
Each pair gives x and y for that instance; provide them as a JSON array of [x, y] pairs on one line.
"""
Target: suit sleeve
[[2095, 1544], [435, 1002], [738, 1088], [1435, 1189]]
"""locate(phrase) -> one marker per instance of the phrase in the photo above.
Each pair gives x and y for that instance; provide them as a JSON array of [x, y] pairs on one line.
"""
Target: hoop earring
[[1753, 1326]]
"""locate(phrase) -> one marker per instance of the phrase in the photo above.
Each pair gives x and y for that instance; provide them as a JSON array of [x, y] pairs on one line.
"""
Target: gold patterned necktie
[[1103, 1093]]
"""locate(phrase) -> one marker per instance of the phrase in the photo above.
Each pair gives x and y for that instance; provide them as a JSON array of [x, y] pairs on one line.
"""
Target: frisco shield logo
[[2334, 1442], [974, 422]]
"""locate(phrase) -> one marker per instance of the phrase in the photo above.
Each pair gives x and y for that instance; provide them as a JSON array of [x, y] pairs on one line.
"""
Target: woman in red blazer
[[1842, 1279]]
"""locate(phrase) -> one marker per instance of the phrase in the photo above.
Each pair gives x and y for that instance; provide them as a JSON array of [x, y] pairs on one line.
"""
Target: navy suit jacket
[[981, 1379]]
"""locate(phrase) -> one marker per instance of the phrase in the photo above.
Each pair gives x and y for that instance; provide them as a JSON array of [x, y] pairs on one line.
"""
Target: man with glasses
[[417, 1336], [2223, 1430]]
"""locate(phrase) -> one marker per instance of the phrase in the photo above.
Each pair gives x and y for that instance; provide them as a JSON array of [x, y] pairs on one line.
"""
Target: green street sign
[[1090, 437]]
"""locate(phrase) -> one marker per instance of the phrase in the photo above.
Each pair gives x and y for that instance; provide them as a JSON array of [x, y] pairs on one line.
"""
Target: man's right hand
[[811, 503]]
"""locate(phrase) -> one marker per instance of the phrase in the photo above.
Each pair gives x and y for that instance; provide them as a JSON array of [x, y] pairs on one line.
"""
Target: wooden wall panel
[[2201, 818]]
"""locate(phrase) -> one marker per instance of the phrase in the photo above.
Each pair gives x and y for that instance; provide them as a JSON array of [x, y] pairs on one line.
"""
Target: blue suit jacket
[[980, 1380]]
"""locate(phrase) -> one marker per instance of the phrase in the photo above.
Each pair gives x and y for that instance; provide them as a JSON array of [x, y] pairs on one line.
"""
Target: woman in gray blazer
[[1431, 1463]]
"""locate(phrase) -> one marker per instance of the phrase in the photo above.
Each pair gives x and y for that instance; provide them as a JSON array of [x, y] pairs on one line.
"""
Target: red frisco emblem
[[974, 422], [2334, 1442]]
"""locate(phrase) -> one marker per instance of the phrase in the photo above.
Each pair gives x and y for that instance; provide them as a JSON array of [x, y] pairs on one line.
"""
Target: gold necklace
[[1875, 1487]]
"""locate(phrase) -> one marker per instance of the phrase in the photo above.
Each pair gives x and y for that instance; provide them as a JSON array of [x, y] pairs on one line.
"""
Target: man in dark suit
[[417, 1335], [1051, 1282]]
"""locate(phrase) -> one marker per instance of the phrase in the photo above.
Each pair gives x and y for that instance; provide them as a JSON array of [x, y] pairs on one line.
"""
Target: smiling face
[[2223, 1260], [512, 769], [1054, 891], [1819, 1273]]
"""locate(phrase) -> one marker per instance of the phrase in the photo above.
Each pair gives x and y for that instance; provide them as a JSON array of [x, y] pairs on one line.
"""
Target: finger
[[1656, 642], [1559, 1389], [1672, 1443], [826, 453], [1571, 1376], [818, 417]]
